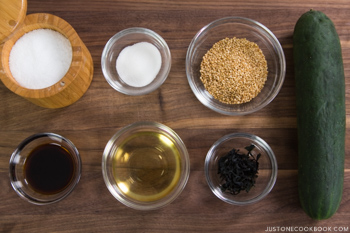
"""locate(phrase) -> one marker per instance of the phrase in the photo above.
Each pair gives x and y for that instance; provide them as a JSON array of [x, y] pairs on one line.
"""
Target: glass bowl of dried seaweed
[[240, 168]]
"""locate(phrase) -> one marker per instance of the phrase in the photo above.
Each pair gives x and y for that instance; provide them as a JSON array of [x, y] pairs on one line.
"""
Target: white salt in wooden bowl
[[69, 88]]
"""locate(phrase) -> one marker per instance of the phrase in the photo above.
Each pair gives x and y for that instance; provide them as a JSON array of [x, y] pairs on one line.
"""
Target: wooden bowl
[[77, 79]]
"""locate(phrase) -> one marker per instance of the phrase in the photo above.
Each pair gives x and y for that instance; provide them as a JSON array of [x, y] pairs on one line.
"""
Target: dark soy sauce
[[49, 169]]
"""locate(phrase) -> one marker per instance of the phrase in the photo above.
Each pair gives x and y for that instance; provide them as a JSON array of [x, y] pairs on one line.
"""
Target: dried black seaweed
[[238, 171]]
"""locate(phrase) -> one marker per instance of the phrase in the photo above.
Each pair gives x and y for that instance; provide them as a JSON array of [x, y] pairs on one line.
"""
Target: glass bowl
[[267, 172], [240, 28], [48, 164], [129, 37], [145, 165]]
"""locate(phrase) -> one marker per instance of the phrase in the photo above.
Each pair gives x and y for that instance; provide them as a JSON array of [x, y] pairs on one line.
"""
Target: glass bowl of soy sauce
[[45, 168], [240, 168]]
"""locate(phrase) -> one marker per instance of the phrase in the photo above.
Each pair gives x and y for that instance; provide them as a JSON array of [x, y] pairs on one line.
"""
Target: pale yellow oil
[[147, 166]]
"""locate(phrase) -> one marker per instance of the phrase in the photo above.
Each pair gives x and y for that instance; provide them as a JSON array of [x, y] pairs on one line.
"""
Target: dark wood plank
[[91, 121]]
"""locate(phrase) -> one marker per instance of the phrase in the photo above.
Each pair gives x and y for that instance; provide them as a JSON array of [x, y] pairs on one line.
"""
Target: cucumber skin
[[321, 117]]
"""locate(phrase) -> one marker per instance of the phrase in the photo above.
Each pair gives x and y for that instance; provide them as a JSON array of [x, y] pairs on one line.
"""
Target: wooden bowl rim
[[47, 21]]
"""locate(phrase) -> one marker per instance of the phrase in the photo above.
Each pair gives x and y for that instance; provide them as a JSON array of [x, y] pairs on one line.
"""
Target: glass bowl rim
[[22, 145], [262, 30], [270, 154], [139, 205], [135, 91]]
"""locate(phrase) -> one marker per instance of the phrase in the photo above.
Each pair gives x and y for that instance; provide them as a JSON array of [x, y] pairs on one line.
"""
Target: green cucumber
[[320, 100]]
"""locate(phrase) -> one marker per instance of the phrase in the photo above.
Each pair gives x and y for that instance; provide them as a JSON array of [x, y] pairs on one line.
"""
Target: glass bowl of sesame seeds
[[240, 168], [235, 66]]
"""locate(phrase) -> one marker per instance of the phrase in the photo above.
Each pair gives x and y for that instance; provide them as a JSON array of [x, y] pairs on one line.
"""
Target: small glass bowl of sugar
[[136, 61]]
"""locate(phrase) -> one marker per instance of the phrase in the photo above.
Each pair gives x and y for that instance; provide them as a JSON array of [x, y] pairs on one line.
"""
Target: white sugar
[[40, 58], [139, 64]]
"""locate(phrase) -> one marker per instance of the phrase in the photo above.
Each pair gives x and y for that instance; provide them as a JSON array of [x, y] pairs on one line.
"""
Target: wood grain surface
[[90, 122]]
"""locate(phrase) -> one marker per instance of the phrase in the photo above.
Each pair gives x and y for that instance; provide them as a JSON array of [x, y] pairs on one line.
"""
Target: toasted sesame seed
[[234, 70]]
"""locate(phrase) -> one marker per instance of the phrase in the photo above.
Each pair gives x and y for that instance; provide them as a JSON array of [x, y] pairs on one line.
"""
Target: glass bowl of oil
[[45, 168], [145, 165]]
